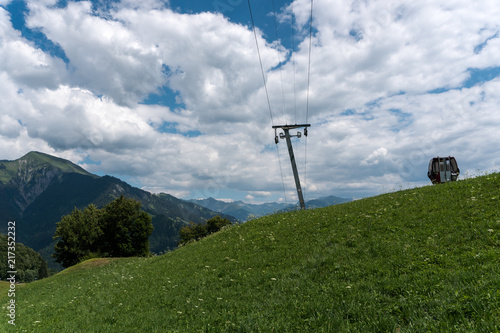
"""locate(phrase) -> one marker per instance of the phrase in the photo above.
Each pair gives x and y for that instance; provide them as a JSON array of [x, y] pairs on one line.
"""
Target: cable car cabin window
[[436, 166], [454, 166], [447, 162]]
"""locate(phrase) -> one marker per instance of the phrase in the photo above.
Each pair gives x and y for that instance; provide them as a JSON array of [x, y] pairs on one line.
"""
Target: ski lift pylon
[[286, 135]]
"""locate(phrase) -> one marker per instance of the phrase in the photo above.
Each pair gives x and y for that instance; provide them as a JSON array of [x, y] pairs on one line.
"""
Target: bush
[[194, 232]]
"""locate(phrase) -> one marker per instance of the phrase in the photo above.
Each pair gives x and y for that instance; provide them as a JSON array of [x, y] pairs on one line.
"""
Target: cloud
[[371, 50], [26, 65], [249, 197], [132, 52], [104, 55], [9, 127], [213, 63], [390, 87], [72, 118], [374, 157]]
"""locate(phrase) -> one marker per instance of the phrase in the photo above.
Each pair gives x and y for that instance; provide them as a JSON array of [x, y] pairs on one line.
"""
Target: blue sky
[[169, 96]]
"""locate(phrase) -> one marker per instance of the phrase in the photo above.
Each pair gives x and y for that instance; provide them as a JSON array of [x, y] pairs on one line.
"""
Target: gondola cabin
[[443, 170]]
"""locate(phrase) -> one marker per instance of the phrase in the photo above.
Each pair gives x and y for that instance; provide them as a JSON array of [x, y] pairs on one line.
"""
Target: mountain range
[[244, 211], [37, 189]]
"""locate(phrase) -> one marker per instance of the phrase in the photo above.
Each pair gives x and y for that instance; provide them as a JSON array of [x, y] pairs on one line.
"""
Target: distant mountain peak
[[35, 153], [35, 172], [39, 160]]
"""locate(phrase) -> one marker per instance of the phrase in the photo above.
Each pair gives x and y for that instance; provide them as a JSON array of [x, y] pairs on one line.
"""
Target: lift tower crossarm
[[286, 129], [289, 127]]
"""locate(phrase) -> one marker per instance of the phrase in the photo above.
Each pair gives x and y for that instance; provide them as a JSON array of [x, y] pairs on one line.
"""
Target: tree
[[216, 223], [195, 231], [29, 275], [192, 231], [79, 236], [29, 263], [126, 229], [120, 229], [43, 270]]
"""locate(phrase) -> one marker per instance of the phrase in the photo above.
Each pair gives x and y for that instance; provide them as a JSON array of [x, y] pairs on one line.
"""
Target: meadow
[[418, 260]]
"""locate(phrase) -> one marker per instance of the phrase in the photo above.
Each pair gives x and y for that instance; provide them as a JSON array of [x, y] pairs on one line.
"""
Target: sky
[[170, 96]]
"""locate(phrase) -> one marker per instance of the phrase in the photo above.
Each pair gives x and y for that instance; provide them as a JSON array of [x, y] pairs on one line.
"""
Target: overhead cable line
[[308, 88], [309, 61], [267, 93], [279, 64], [293, 64], [260, 61], [286, 128]]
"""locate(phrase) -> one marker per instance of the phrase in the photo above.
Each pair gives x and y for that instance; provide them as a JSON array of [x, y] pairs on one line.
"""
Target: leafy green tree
[[120, 229], [216, 223], [195, 231], [27, 261], [126, 229], [29, 275], [43, 270], [79, 234]]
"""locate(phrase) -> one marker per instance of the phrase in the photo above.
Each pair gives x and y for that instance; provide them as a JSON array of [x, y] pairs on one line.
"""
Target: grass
[[420, 260], [4, 287]]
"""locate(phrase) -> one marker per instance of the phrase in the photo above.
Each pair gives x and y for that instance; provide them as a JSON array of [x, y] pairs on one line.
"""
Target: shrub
[[194, 232]]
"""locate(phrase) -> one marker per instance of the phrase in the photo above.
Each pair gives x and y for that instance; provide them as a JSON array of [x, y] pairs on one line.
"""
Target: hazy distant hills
[[243, 211], [37, 189]]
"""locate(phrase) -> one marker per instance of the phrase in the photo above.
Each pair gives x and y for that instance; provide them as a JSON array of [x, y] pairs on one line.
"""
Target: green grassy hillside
[[421, 260]]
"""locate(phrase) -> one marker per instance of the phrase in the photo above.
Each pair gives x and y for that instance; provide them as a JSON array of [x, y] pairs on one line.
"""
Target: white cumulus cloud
[[392, 84]]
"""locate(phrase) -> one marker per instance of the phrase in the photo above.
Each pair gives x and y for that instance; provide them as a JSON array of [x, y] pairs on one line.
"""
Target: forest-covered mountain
[[27, 263], [37, 189], [244, 211]]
